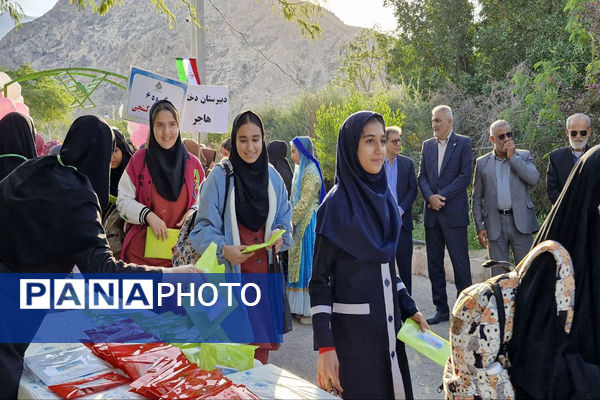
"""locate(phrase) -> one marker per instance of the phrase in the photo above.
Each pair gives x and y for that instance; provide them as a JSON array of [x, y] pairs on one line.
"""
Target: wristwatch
[[221, 251]]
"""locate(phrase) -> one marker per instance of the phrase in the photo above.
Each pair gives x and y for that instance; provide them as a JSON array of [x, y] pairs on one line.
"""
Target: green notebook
[[432, 346], [156, 248], [268, 243]]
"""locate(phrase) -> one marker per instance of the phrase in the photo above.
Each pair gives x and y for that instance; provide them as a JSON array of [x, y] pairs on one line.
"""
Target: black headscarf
[[50, 204], [90, 132], [167, 167], [277, 151], [17, 136], [251, 180], [127, 151], [547, 363], [359, 214]]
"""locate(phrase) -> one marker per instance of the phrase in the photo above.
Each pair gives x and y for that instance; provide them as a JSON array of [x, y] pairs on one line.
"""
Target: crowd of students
[[344, 260]]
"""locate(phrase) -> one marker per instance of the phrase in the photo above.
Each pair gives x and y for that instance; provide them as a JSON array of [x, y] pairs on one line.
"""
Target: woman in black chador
[[17, 142], [545, 361], [50, 213]]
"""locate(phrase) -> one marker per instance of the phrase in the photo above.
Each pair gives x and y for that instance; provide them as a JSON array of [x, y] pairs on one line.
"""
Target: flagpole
[[199, 48]]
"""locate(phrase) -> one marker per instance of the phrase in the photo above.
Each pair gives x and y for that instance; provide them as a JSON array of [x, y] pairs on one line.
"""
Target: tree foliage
[[48, 102], [434, 41], [364, 61], [329, 119], [13, 9], [300, 13]]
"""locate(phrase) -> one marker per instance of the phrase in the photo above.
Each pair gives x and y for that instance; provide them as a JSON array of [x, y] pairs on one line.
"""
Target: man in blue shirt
[[400, 171]]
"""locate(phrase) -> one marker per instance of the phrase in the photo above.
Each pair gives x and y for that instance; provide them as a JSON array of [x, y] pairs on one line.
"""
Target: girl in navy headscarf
[[354, 275], [307, 193]]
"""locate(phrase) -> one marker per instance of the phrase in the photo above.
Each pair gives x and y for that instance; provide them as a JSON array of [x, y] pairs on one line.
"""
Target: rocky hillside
[[134, 34]]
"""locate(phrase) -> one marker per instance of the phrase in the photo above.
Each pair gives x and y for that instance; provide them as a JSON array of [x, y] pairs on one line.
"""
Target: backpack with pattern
[[183, 251], [481, 328]]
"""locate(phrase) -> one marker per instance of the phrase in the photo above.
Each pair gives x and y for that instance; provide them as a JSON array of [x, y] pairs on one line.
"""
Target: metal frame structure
[[67, 76]]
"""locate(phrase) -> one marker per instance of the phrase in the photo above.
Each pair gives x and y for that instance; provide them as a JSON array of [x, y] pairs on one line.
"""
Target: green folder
[[432, 346], [268, 243], [156, 248]]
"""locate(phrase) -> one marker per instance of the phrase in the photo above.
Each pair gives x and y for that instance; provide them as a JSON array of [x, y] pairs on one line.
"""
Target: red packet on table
[[86, 386], [139, 364], [199, 385], [233, 392], [164, 375], [116, 351]]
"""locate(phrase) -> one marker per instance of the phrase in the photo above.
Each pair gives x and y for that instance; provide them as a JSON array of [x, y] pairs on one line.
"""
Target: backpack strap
[[565, 278], [501, 315], [227, 167]]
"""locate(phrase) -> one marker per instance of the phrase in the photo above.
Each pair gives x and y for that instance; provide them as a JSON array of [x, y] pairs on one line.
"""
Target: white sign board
[[146, 88], [206, 109]]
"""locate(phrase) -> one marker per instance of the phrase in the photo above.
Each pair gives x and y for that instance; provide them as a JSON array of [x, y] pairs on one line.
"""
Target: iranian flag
[[187, 70]]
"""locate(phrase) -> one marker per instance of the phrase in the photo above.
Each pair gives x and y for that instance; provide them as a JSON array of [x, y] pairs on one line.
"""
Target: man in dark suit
[[445, 173], [562, 160], [400, 171]]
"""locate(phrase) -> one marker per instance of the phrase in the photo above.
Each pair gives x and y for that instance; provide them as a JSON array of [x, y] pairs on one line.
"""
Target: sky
[[365, 13]]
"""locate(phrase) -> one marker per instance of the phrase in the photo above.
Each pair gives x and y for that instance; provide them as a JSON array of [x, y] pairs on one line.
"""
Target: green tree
[[13, 9], [329, 119], [514, 31], [435, 41], [364, 62], [48, 102]]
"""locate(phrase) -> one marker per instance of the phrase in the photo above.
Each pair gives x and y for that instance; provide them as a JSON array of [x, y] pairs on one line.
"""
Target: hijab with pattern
[[17, 142], [251, 180], [546, 362], [167, 167], [127, 152], [67, 190], [359, 214], [306, 153]]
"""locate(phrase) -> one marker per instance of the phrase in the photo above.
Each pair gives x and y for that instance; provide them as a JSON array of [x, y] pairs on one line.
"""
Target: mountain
[[7, 24], [134, 34]]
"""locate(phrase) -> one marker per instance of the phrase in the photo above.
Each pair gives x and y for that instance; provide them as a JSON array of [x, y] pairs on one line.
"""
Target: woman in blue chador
[[307, 192]]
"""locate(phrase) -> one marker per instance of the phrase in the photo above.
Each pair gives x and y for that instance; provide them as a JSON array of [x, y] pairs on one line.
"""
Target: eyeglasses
[[395, 142], [582, 133], [503, 135]]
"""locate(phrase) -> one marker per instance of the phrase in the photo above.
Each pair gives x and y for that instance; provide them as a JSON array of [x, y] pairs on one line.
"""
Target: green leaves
[[329, 119], [48, 102]]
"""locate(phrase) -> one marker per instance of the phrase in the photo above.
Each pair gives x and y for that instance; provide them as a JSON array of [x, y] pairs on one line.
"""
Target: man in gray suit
[[502, 208]]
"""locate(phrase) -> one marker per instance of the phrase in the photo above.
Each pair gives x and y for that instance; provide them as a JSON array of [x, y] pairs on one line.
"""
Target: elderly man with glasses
[[562, 160], [501, 206]]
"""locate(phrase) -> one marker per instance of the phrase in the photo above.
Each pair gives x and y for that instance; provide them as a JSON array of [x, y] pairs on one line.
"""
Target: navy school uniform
[[357, 308]]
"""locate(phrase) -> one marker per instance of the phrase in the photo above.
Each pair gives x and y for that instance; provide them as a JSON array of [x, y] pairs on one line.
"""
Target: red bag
[[233, 392], [139, 364], [197, 385], [162, 377], [95, 384]]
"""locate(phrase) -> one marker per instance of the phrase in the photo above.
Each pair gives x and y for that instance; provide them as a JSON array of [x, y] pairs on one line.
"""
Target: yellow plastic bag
[[208, 261], [227, 357], [432, 346], [156, 248], [191, 351]]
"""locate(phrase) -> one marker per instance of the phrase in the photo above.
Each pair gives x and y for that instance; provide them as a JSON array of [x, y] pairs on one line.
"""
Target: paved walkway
[[296, 354]]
